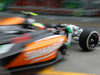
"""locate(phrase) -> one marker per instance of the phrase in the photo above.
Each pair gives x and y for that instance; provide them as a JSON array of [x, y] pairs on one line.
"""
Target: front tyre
[[88, 40]]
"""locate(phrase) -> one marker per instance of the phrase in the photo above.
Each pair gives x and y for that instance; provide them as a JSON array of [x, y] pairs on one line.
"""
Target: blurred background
[[90, 8], [83, 13]]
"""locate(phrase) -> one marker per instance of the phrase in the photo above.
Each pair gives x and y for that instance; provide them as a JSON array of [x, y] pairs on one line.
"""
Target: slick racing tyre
[[88, 40]]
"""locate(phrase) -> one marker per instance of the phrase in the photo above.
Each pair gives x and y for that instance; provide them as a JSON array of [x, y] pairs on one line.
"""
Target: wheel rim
[[93, 40]]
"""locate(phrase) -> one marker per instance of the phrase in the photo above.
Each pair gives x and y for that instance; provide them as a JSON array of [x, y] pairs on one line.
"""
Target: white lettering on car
[[33, 61], [43, 51]]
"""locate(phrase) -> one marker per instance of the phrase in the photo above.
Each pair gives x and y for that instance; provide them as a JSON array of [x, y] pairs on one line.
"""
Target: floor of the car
[[38, 65]]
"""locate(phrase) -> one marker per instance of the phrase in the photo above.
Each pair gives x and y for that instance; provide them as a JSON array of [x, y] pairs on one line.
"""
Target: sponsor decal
[[35, 60], [43, 51], [20, 39]]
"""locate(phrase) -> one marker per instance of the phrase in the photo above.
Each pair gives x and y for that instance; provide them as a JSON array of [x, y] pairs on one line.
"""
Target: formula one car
[[23, 47]]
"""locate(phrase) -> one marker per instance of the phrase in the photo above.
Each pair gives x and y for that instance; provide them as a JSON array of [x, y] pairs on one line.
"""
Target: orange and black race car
[[24, 46]]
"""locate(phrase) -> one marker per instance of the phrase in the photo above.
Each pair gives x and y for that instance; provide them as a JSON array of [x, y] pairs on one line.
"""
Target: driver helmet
[[39, 26]]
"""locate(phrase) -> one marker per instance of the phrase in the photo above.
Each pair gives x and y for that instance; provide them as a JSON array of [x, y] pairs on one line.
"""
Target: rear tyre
[[88, 40]]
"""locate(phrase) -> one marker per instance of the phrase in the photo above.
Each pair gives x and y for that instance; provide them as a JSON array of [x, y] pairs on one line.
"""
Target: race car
[[24, 46]]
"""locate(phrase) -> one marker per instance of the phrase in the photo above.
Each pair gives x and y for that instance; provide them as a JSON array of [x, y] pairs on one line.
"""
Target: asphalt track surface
[[78, 60]]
